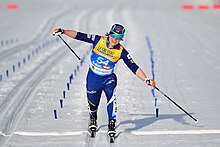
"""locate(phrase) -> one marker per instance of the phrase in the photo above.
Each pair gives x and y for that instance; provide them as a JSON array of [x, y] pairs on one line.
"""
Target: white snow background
[[36, 67]]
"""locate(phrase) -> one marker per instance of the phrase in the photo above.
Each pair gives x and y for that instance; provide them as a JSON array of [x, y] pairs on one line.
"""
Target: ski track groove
[[22, 82], [31, 81], [37, 39], [90, 142]]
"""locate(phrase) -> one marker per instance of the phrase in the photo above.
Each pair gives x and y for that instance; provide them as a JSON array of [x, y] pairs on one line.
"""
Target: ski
[[111, 135], [112, 139], [92, 131]]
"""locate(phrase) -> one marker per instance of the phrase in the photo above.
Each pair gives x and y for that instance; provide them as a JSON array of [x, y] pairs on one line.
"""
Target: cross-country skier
[[106, 52]]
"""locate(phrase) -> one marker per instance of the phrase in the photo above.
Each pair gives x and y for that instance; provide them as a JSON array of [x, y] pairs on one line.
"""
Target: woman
[[106, 52]]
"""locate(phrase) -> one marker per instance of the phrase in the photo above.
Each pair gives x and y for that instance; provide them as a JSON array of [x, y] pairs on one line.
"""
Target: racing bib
[[103, 59]]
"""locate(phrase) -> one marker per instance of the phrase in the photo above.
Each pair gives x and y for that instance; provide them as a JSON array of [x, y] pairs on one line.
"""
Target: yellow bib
[[102, 49]]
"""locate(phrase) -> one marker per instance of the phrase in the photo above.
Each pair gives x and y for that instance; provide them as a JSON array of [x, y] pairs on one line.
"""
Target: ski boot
[[93, 125], [111, 130]]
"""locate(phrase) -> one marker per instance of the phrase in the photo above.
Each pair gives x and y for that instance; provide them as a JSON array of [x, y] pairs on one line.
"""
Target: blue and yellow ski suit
[[101, 76]]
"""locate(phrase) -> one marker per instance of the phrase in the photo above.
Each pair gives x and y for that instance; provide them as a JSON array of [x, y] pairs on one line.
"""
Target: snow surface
[[185, 45]]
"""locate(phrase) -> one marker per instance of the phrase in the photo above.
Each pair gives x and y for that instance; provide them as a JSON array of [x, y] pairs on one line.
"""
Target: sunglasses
[[115, 35]]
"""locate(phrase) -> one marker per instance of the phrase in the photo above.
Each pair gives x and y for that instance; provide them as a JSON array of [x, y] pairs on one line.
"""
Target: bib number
[[101, 61]]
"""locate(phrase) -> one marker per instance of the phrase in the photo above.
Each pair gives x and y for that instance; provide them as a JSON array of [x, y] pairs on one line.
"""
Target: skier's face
[[113, 41]]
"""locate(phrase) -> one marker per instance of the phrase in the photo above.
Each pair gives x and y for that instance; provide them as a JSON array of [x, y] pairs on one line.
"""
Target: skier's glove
[[58, 31], [150, 82]]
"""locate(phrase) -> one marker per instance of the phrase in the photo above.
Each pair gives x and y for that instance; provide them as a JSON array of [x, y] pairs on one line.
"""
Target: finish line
[[36, 134], [137, 133], [176, 132]]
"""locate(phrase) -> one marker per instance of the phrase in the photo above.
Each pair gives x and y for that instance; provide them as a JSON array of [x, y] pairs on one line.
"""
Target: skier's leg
[[110, 90], [94, 91], [93, 101]]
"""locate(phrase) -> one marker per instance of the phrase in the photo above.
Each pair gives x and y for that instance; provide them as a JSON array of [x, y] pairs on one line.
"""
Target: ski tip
[[112, 140], [93, 134]]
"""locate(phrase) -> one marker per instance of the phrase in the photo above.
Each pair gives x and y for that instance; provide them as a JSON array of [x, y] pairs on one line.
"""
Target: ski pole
[[69, 47], [196, 120]]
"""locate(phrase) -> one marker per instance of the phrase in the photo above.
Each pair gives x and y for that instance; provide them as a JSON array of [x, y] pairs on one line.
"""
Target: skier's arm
[[59, 31], [129, 61], [135, 69], [90, 38], [80, 36], [70, 33], [140, 74]]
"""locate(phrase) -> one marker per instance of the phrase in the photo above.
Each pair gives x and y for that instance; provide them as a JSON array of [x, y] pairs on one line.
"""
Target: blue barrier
[[9, 42], [13, 68], [75, 72], [7, 73], [155, 101], [64, 94], [36, 50], [19, 64], [24, 60], [157, 112], [153, 74], [68, 86], [61, 103], [6, 42], [55, 114], [71, 78]]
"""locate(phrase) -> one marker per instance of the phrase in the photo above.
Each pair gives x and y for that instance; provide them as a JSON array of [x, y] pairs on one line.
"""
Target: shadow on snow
[[150, 119]]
